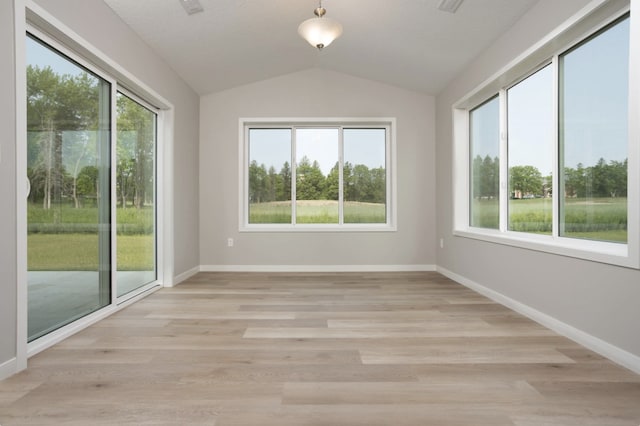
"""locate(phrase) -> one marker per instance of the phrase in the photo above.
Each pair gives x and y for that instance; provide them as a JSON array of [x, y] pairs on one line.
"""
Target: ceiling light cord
[[320, 11]]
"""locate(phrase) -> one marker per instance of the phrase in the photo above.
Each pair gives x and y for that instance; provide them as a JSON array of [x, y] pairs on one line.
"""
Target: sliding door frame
[[30, 17], [114, 196]]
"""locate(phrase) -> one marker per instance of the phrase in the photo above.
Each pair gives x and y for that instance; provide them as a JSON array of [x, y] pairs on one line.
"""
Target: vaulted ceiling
[[406, 43]]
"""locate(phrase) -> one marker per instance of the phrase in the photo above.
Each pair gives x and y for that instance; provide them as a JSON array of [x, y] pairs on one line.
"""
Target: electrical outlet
[[229, 242], [441, 242]]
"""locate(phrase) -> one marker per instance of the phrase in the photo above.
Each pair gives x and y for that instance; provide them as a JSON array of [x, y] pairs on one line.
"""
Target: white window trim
[[587, 21], [31, 17], [243, 155]]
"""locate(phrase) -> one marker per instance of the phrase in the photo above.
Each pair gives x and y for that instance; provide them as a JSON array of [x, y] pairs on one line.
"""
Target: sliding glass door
[[91, 165], [68, 166], [136, 189]]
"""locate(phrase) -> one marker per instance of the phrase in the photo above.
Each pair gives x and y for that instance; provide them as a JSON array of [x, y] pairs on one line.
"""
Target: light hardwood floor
[[372, 349]]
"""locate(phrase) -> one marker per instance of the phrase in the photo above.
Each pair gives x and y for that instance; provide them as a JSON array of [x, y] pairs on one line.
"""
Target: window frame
[[388, 123], [579, 28]]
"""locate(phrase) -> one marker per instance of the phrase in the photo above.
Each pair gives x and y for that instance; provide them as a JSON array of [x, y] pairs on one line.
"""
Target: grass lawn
[[602, 219], [79, 252], [317, 211], [64, 238]]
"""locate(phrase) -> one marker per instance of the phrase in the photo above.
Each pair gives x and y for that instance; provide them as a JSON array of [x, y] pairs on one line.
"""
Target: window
[[317, 175], [135, 194], [364, 176], [594, 87], [548, 157], [68, 215], [531, 151], [317, 183], [269, 186], [485, 164]]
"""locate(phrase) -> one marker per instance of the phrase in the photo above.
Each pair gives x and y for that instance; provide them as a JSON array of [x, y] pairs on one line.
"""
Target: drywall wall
[[595, 298], [316, 93], [8, 224], [99, 25]]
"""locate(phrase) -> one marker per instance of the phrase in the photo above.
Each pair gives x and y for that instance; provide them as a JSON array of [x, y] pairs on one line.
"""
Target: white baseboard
[[8, 368], [317, 268], [185, 275], [614, 353]]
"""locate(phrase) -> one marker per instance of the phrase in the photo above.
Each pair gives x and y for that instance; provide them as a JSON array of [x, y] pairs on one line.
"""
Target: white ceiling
[[405, 43]]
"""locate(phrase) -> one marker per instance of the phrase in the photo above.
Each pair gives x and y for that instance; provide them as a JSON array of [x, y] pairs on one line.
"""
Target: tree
[[378, 185], [136, 147], [42, 111], [485, 177], [285, 173], [79, 97], [490, 177], [348, 184], [361, 179], [125, 168], [310, 182], [526, 180], [257, 185], [332, 183], [270, 185], [62, 116], [87, 182], [618, 178]]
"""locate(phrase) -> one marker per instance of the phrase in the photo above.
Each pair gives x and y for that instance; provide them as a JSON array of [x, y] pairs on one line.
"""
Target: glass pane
[[485, 165], [593, 135], [68, 131], [530, 128], [316, 176], [135, 190], [364, 174], [269, 176]]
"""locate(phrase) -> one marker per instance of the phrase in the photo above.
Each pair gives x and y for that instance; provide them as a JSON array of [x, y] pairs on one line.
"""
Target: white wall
[[316, 93], [97, 24], [595, 298]]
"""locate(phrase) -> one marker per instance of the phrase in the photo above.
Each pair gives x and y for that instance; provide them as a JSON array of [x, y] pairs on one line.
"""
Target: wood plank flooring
[[356, 349]]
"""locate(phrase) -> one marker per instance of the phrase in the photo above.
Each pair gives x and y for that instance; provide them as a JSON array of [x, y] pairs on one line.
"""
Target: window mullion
[[504, 166], [294, 174], [340, 176], [555, 177], [113, 141]]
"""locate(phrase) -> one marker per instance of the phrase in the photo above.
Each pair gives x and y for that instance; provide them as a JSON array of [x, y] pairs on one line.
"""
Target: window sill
[[596, 251], [318, 228]]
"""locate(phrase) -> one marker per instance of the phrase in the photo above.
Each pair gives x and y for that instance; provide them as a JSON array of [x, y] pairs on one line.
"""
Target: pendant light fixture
[[320, 31]]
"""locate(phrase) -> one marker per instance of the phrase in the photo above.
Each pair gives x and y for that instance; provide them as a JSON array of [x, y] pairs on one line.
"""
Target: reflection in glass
[[530, 124], [269, 175], [485, 165], [364, 176], [317, 175], [593, 136], [68, 162], [135, 190]]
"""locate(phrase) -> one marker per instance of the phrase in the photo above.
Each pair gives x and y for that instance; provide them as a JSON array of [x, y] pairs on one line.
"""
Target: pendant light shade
[[320, 31]]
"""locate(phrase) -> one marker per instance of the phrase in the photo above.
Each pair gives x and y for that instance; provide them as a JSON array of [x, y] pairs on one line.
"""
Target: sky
[[595, 94], [272, 147], [41, 56]]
